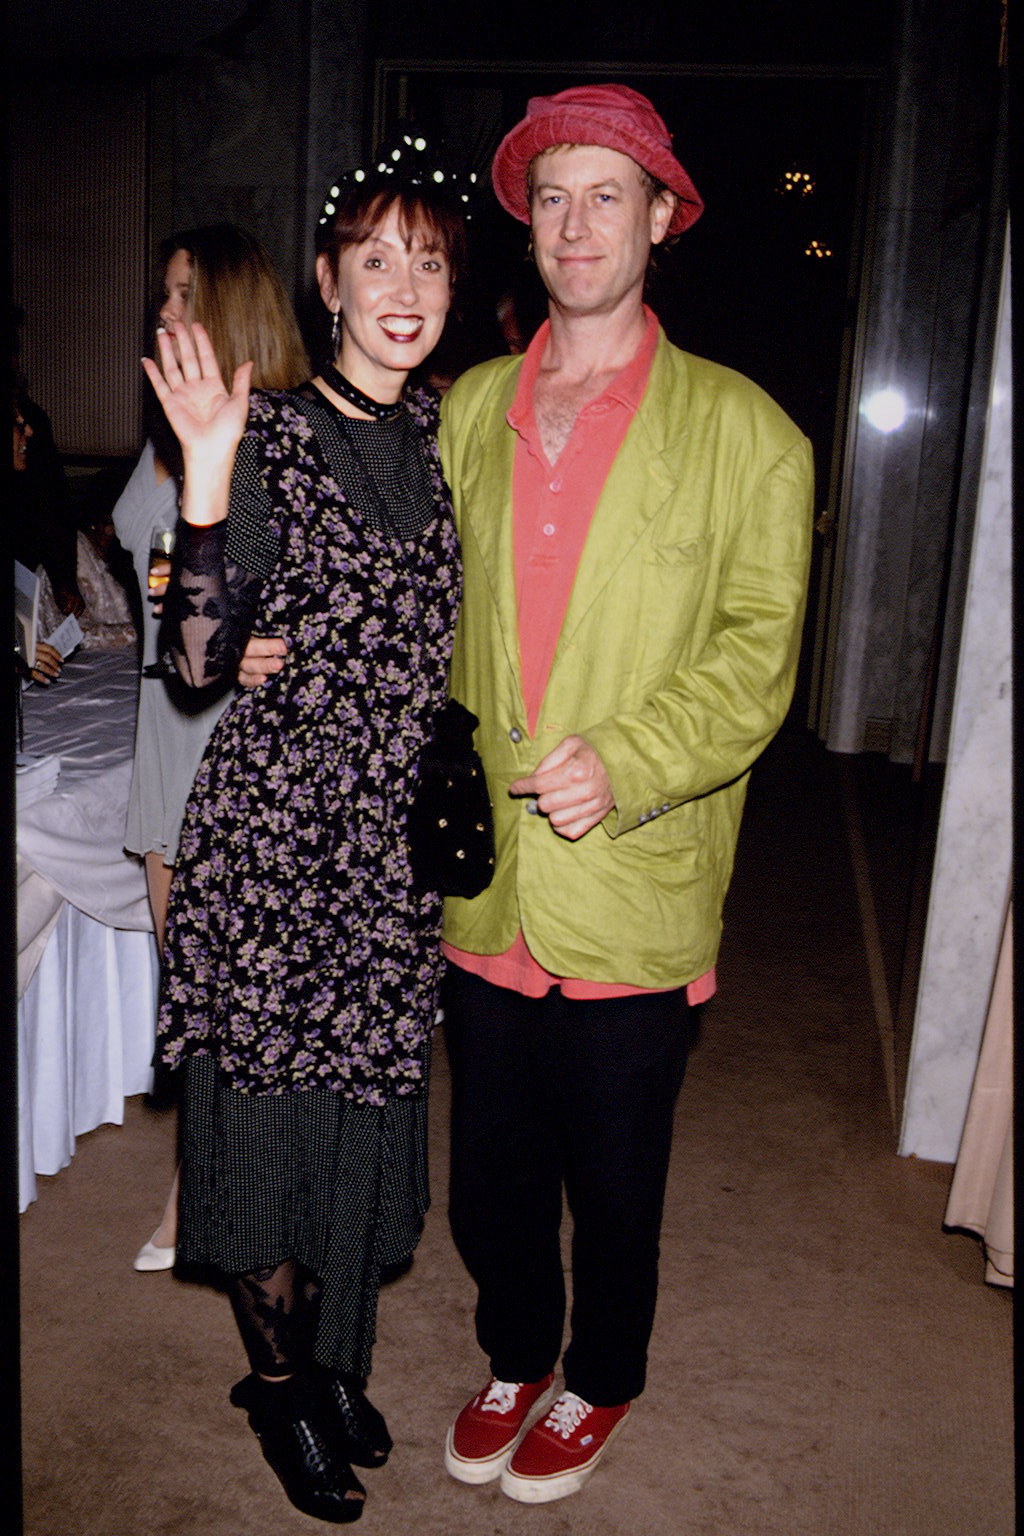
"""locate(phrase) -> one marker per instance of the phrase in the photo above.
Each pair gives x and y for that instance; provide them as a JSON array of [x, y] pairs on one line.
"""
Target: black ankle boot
[[289, 1424], [358, 1427]]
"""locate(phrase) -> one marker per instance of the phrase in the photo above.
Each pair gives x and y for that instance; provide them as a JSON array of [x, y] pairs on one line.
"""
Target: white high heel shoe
[[151, 1258]]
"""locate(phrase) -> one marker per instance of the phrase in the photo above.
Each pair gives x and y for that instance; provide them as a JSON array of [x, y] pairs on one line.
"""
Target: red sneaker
[[490, 1427], [561, 1450]]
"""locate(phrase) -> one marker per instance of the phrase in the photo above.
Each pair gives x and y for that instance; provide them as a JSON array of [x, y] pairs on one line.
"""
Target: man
[[635, 527]]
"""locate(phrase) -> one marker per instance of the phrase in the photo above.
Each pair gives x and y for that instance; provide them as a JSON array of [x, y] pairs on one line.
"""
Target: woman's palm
[[207, 419]]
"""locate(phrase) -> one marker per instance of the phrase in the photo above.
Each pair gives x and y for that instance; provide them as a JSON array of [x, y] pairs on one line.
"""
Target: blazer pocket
[[685, 552]]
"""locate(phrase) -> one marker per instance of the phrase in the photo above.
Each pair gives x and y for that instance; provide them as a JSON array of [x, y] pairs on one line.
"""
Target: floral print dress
[[301, 964]]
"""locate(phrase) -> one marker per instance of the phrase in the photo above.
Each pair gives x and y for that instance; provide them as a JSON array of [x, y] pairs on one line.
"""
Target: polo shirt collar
[[627, 387]]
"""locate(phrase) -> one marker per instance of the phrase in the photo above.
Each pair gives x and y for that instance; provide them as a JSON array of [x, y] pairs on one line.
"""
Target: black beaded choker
[[354, 396]]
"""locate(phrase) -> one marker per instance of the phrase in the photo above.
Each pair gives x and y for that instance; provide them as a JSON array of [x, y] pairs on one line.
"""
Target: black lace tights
[[276, 1311]]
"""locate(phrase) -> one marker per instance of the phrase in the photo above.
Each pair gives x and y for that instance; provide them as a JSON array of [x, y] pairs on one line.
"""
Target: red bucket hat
[[613, 116]]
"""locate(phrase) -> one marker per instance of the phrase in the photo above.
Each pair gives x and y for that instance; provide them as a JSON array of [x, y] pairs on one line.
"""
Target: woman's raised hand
[[206, 418]]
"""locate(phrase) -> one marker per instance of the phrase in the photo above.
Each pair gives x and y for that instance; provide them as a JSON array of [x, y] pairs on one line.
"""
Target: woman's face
[[177, 290], [393, 300]]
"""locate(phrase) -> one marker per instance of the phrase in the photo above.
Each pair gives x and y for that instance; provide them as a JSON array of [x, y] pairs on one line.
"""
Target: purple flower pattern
[[298, 951]]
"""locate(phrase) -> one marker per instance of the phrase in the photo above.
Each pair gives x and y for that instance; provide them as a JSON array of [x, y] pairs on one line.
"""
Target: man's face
[[593, 227]]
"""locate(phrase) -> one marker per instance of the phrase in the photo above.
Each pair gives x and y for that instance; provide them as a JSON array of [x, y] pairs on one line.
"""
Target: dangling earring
[[336, 334], [529, 249]]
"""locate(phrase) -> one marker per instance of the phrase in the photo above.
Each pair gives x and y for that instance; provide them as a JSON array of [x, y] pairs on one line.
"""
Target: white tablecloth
[[87, 967]]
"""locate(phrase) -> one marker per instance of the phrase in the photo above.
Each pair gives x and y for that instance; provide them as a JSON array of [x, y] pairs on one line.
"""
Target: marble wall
[[972, 870], [913, 452], [254, 134], [225, 129]]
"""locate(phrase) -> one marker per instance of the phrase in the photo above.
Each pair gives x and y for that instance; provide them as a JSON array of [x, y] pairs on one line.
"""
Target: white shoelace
[[500, 1397], [567, 1414]]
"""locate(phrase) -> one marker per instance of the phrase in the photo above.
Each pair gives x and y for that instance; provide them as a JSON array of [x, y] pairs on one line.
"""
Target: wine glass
[[161, 548]]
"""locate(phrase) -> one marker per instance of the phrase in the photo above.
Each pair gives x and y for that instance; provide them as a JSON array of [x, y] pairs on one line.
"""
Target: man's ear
[[662, 209], [327, 282]]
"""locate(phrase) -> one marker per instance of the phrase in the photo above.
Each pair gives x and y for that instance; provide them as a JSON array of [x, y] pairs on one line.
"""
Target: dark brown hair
[[424, 210]]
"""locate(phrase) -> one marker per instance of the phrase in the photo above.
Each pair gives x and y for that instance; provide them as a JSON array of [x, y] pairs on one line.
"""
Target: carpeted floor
[[826, 1360]]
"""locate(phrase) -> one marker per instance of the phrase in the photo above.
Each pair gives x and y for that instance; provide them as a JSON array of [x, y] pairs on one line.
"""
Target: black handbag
[[451, 825]]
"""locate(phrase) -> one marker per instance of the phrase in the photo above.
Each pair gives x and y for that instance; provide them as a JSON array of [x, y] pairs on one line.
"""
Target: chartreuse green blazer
[[676, 661]]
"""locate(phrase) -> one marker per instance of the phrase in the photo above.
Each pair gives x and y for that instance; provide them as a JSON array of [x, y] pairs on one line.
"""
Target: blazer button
[[515, 734]]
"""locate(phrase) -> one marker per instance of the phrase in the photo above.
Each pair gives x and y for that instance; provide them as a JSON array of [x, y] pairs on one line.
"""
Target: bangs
[[416, 221], [424, 215]]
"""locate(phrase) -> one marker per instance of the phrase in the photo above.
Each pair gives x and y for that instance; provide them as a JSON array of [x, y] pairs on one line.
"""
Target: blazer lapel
[[491, 530]]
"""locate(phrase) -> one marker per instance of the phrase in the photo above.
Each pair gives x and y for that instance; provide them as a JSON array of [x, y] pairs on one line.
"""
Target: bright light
[[819, 249], [335, 192], [419, 143], [439, 175], [886, 409], [360, 175], [329, 208]]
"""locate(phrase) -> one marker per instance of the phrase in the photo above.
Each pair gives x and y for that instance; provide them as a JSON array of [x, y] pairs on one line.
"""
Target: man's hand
[[262, 657], [571, 786], [48, 663]]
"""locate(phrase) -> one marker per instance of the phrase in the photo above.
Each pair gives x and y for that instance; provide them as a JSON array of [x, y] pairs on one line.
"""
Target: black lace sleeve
[[209, 607], [216, 578]]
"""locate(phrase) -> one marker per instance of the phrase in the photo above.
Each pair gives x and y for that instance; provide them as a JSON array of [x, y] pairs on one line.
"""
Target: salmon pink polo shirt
[[552, 509]]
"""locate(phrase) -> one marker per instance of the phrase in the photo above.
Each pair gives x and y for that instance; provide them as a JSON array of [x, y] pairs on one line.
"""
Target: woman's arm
[[211, 600], [210, 607]]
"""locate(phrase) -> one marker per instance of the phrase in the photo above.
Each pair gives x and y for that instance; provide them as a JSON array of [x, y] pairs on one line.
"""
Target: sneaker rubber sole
[[555, 1485], [486, 1469]]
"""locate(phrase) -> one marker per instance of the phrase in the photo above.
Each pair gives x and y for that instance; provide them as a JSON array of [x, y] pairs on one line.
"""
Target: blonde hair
[[237, 296]]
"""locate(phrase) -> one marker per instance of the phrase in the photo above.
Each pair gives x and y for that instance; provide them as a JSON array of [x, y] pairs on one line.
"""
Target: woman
[[222, 277], [301, 963]]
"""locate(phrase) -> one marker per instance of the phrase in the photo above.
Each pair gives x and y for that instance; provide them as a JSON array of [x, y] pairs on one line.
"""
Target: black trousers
[[547, 1092]]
